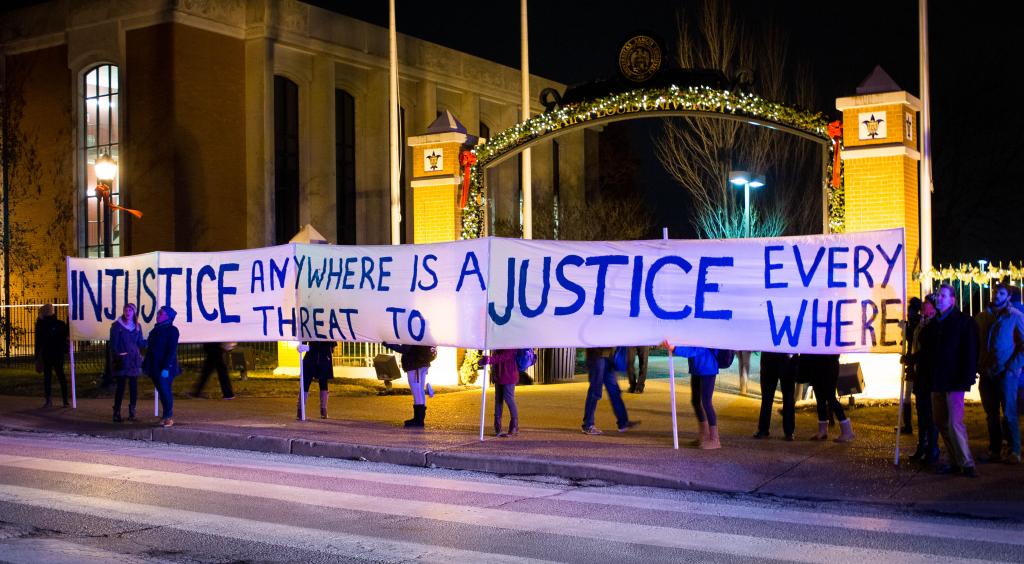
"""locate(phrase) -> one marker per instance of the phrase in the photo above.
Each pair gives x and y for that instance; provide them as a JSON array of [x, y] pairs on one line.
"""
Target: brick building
[[233, 124]]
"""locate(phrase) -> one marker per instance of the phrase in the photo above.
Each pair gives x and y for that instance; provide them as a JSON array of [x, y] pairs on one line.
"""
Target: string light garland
[[973, 274], [670, 99]]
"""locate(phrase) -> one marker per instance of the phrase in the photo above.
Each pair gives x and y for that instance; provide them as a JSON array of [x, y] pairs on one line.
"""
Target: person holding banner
[[213, 360], [601, 371], [416, 361], [125, 359], [318, 364], [161, 361], [637, 378], [777, 368], [505, 375], [927, 434], [823, 370], [51, 344], [703, 367]]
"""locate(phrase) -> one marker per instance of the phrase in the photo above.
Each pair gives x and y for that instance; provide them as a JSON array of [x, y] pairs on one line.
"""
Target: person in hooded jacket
[[161, 361], [125, 359], [703, 368], [505, 375], [416, 361]]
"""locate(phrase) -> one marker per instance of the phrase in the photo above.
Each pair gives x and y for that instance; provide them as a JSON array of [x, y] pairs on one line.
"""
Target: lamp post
[[742, 178], [106, 171]]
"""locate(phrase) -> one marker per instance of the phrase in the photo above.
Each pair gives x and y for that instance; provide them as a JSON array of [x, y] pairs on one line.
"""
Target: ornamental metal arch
[[672, 101]]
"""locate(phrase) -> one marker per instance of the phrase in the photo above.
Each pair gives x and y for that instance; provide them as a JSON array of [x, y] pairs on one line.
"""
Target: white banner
[[824, 293]]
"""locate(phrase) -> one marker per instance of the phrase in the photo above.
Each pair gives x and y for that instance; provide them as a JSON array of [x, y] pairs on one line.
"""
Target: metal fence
[[17, 323], [974, 285]]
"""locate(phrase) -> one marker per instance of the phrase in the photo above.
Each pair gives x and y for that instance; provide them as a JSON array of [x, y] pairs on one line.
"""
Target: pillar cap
[[878, 99]]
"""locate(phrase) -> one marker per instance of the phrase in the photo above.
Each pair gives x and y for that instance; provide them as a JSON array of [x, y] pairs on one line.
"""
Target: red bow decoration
[[104, 192], [835, 131], [466, 159]]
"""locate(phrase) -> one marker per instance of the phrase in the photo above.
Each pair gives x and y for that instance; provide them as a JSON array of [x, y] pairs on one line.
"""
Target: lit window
[[99, 136]]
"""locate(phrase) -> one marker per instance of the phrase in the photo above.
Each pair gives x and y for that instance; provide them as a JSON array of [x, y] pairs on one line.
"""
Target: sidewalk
[[551, 444]]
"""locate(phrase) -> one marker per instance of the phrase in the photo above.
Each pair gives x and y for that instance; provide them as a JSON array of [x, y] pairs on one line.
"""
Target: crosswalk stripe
[[723, 543], [816, 519], [342, 545], [409, 479], [733, 511]]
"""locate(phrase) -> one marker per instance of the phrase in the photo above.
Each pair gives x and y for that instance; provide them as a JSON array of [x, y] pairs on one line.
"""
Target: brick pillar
[[880, 158], [436, 182], [436, 185]]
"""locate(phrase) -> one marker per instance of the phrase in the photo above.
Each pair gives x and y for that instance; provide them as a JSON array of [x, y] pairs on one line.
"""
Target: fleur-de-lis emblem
[[433, 158], [872, 124]]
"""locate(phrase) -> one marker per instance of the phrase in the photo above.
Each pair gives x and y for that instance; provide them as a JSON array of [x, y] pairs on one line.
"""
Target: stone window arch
[[99, 108]]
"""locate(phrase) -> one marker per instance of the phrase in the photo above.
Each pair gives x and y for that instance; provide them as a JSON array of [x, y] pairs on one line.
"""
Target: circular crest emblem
[[640, 58]]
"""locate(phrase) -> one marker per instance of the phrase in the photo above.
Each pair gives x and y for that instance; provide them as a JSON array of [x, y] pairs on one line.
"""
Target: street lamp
[[106, 171], [742, 178]]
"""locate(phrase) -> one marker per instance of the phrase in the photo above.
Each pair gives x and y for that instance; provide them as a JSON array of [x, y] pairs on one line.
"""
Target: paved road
[[78, 499]]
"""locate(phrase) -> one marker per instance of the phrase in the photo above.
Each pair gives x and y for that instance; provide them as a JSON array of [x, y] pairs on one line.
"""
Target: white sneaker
[[430, 390]]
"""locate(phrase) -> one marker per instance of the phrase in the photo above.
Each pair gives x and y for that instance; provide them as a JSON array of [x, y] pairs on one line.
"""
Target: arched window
[[286, 159], [99, 136]]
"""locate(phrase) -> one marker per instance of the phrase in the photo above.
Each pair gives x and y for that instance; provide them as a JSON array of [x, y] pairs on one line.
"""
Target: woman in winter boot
[[416, 361], [703, 368], [125, 359], [927, 433], [824, 373], [317, 364]]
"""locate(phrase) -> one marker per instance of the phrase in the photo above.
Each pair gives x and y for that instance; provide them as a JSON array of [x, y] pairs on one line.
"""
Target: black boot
[[922, 450], [117, 416], [131, 413], [418, 413]]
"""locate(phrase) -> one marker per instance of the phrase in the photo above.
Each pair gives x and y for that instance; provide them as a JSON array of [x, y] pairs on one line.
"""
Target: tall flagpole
[[925, 196], [527, 168], [396, 162]]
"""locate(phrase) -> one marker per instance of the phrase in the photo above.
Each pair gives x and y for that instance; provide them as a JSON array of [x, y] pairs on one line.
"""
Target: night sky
[[975, 77], [976, 127]]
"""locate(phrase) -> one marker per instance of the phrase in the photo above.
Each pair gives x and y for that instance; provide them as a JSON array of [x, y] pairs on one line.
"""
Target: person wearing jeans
[[602, 373], [125, 359], [161, 362], [1001, 327], [505, 376]]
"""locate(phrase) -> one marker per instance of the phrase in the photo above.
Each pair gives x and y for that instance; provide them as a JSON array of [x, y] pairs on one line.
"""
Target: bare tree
[[605, 218], [700, 152]]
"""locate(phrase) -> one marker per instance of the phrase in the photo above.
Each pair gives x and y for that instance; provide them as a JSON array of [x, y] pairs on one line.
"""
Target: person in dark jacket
[[416, 361], [125, 359], [909, 370], [823, 373], [950, 342], [51, 344], [702, 364], [317, 364], [505, 375], [161, 361], [927, 433], [601, 370], [777, 368], [213, 360]]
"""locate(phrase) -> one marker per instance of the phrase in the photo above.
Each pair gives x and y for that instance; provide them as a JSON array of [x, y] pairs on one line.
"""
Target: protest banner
[[813, 294]]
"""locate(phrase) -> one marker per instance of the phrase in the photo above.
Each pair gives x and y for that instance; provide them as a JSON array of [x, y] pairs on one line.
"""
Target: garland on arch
[[671, 99]]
